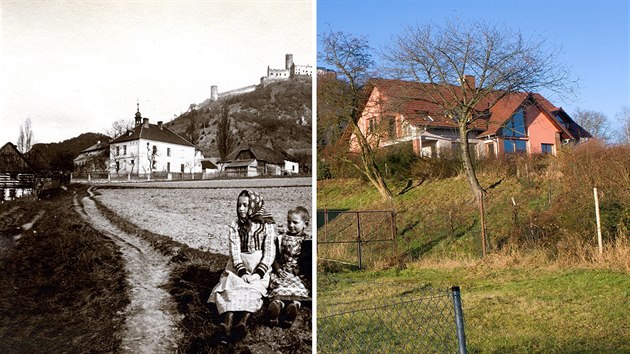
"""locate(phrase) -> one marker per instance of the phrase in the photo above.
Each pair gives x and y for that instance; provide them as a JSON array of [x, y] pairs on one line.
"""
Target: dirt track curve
[[151, 316]]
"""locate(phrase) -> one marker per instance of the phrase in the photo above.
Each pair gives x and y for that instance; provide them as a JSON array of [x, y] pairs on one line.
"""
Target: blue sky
[[593, 35]]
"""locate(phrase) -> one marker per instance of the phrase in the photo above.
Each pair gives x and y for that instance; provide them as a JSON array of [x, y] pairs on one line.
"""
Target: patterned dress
[[252, 251], [291, 287]]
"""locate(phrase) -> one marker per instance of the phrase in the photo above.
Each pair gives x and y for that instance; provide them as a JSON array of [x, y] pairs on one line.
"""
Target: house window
[[181, 167], [547, 148], [514, 146], [491, 151], [153, 165], [168, 151], [371, 125], [154, 150], [391, 128], [405, 129], [124, 149], [168, 167], [117, 150], [515, 127]]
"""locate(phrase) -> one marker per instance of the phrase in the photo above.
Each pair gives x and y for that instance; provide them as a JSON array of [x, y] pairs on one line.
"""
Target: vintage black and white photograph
[[156, 176]]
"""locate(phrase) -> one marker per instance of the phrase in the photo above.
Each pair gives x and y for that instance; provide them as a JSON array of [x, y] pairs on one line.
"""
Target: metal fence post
[[394, 233], [459, 320], [359, 240], [325, 224]]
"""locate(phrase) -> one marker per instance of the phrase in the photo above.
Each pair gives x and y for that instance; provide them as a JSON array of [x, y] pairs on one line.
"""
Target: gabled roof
[[12, 161], [152, 132], [91, 154], [101, 145], [575, 129], [260, 153], [415, 101], [209, 163]]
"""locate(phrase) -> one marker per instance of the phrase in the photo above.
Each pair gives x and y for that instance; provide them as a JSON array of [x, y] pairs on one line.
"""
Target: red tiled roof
[[417, 100], [152, 132]]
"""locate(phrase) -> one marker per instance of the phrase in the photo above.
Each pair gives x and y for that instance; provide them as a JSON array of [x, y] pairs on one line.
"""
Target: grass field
[[543, 287], [513, 310]]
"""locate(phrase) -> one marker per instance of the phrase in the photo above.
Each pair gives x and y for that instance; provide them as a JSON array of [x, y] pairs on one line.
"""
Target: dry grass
[[62, 284]]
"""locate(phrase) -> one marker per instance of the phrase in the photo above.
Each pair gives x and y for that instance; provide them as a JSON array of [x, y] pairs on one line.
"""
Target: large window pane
[[516, 125]]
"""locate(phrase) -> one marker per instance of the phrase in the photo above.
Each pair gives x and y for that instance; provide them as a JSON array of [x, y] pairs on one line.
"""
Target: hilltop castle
[[291, 70]]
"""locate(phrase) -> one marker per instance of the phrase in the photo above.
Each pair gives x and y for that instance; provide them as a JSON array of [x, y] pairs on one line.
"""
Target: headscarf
[[256, 210]]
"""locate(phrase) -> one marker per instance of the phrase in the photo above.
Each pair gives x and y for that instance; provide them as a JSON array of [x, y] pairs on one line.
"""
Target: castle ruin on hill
[[290, 71]]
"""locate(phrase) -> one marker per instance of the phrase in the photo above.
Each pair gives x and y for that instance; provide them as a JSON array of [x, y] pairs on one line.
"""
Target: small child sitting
[[288, 284]]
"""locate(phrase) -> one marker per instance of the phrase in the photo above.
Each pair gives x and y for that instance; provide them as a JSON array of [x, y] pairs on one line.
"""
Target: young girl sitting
[[288, 283], [244, 282]]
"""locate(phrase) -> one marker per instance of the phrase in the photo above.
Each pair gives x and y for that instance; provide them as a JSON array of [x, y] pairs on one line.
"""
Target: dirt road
[[151, 317]]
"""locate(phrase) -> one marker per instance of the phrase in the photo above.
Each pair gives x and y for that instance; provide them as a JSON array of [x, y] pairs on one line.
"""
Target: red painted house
[[401, 111]]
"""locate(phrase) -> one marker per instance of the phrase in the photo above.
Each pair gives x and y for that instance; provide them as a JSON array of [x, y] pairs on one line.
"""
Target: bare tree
[[192, 124], [596, 123], [624, 118], [443, 57], [25, 139], [119, 127], [350, 56], [225, 136]]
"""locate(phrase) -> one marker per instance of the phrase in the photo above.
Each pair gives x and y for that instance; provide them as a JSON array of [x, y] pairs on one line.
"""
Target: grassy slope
[[523, 310], [62, 285], [510, 304]]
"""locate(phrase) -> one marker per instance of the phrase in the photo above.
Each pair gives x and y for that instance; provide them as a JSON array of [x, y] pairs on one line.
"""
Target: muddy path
[[151, 317]]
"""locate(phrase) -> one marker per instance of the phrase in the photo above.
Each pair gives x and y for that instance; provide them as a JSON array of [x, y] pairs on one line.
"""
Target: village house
[[152, 148], [399, 111], [17, 178], [94, 159], [258, 160]]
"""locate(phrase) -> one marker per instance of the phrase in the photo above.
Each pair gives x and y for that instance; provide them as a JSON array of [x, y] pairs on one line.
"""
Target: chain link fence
[[399, 319], [360, 238]]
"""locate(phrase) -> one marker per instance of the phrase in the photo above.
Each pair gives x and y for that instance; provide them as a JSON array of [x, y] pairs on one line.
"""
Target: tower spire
[[138, 115]]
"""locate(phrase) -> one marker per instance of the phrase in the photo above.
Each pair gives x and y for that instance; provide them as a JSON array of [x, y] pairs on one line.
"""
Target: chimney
[[214, 93], [160, 125], [470, 81], [145, 122]]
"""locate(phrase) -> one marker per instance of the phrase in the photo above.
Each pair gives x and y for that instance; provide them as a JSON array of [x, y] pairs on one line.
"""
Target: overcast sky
[[593, 35], [74, 67]]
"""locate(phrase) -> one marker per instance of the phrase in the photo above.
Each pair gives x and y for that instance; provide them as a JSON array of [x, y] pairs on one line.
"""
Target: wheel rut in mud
[[151, 317]]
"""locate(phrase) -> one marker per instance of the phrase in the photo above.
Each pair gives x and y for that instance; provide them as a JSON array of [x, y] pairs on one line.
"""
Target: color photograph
[[472, 177]]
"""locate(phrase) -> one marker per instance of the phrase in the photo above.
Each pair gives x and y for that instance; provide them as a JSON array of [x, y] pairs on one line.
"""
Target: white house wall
[[291, 167], [138, 151]]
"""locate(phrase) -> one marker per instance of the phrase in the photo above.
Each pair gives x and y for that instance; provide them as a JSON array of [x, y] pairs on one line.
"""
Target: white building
[[150, 148]]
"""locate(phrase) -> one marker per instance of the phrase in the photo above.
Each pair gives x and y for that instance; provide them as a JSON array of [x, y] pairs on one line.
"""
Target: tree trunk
[[370, 169], [476, 188]]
